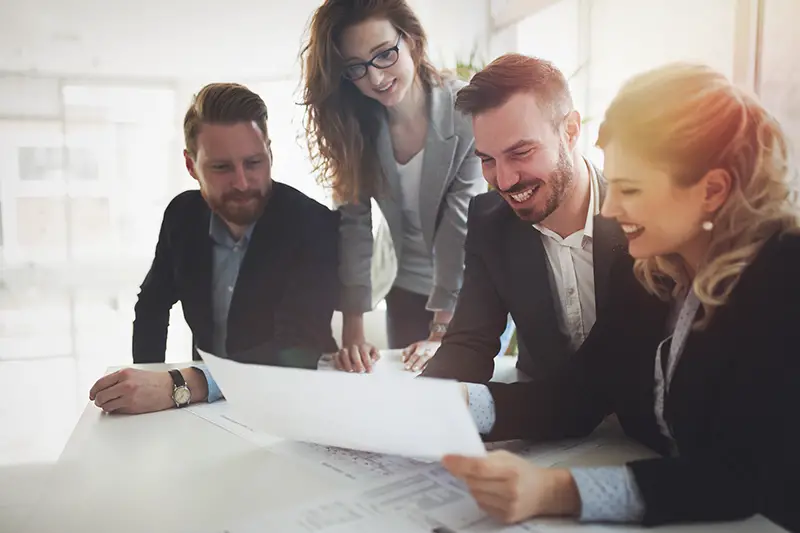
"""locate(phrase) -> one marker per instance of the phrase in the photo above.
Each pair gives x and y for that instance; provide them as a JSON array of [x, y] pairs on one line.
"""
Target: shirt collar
[[594, 204], [220, 234]]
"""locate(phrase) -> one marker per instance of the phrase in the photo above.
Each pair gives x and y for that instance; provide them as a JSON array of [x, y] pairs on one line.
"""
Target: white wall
[[205, 40], [90, 73], [616, 39]]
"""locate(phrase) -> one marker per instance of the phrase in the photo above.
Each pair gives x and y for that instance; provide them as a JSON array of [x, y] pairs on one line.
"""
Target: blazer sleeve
[[355, 242], [157, 295], [755, 466], [448, 243], [473, 336], [303, 317]]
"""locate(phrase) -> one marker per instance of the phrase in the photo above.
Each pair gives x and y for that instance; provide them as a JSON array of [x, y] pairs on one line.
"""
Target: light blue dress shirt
[[608, 494], [227, 257]]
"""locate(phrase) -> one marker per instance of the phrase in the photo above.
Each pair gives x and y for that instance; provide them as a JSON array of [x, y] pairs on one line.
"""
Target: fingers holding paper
[[512, 489], [356, 358]]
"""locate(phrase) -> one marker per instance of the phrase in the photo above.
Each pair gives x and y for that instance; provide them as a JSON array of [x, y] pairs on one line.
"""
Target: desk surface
[[175, 472]]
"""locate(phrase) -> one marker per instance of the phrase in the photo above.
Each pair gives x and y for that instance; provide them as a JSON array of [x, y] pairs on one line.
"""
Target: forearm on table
[[481, 407], [463, 357], [208, 390], [608, 494], [353, 328], [196, 381]]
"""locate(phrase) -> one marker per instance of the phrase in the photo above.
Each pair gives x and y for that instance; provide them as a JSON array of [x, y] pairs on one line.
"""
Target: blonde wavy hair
[[689, 120]]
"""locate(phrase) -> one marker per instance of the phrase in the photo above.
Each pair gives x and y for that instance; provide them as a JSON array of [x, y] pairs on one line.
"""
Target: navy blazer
[[732, 405], [284, 296]]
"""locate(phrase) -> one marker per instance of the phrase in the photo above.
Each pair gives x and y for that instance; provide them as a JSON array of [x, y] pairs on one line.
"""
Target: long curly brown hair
[[341, 123]]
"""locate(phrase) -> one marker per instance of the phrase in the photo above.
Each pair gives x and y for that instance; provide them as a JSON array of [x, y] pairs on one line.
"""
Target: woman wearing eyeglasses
[[380, 123]]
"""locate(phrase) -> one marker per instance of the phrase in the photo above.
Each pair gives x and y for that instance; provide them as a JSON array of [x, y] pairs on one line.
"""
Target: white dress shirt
[[571, 272], [607, 494]]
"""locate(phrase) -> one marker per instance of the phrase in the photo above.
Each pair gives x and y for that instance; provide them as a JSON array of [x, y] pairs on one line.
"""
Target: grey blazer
[[451, 176]]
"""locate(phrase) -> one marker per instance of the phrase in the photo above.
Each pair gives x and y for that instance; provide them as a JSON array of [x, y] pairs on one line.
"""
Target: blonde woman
[[699, 359], [381, 124]]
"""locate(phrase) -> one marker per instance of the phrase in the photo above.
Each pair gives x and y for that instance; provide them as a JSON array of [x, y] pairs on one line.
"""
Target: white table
[[174, 472]]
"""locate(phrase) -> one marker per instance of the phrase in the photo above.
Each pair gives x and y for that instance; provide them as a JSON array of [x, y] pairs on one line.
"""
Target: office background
[[92, 94]]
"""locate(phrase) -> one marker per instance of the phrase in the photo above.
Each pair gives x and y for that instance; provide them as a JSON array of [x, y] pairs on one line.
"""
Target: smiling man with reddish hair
[[536, 247], [254, 262]]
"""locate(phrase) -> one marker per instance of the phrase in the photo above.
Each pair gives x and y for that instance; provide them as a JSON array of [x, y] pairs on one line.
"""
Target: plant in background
[[466, 69]]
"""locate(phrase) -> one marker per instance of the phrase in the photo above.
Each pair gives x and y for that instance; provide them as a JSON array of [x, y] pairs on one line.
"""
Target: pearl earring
[[707, 225]]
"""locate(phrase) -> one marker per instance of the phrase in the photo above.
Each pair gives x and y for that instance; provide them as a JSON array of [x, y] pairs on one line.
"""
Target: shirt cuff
[[214, 393], [441, 299], [481, 407], [608, 494]]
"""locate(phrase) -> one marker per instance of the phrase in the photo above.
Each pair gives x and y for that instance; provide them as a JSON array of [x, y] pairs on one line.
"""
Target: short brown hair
[[222, 103], [511, 74]]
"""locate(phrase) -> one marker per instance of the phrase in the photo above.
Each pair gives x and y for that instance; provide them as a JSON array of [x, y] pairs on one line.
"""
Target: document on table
[[420, 418], [351, 464], [420, 502], [219, 413]]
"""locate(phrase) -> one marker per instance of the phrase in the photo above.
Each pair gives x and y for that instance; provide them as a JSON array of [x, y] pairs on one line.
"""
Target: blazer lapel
[[437, 162], [202, 260], [264, 251], [390, 199], [535, 308]]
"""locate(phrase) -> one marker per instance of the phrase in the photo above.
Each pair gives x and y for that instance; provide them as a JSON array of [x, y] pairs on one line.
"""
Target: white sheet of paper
[[421, 418], [219, 413], [351, 464], [332, 517], [415, 503]]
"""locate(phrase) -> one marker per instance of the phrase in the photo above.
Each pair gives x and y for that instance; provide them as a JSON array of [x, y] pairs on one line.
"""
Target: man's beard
[[559, 181], [241, 214]]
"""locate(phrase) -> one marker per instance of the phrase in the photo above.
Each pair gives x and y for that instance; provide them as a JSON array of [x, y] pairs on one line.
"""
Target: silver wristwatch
[[181, 394]]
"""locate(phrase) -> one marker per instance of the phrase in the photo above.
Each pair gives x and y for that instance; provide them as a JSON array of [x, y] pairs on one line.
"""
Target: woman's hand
[[416, 356], [511, 489], [356, 357]]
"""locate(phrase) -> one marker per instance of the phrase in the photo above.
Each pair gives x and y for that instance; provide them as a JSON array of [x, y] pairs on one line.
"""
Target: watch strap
[[177, 378]]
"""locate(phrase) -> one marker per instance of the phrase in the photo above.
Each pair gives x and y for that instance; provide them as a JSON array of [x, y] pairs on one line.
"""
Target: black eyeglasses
[[385, 59]]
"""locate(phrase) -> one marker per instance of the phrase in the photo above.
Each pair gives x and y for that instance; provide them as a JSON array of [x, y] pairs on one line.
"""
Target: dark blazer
[[285, 292], [506, 271], [732, 406]]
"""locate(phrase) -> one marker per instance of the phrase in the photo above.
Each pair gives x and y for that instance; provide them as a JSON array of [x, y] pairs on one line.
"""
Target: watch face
[[181, 395]]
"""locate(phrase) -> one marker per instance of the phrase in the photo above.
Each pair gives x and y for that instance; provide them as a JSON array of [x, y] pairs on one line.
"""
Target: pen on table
[[443, 529]]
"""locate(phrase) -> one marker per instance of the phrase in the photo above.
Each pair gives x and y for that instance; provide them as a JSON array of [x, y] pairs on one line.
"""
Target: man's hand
[[132, 391], [418, 354], [356, 358], [511, 489]]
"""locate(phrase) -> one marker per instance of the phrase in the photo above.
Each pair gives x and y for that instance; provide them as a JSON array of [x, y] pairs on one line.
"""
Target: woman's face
[[659, 217], [391, 71]]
